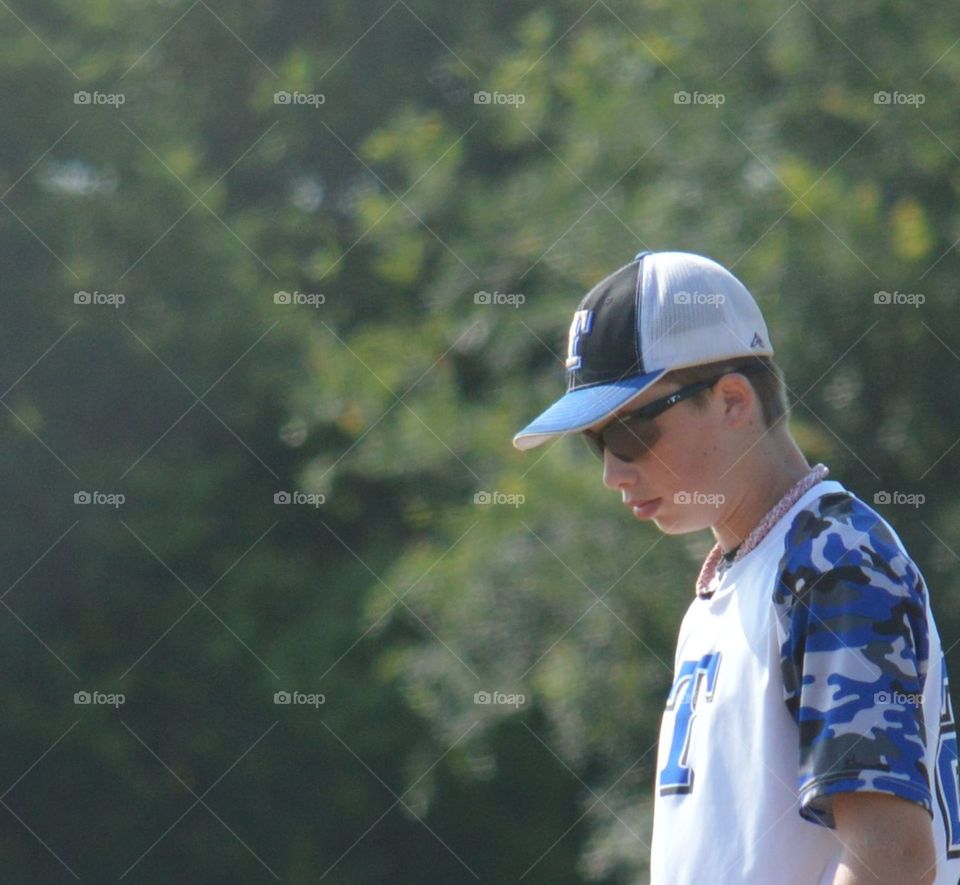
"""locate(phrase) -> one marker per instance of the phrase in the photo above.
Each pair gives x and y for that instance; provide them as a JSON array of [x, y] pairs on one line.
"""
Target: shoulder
[[845, 583], [835, 548]]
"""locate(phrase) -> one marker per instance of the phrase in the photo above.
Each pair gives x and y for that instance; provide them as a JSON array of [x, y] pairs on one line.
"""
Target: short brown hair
[[767, 384]]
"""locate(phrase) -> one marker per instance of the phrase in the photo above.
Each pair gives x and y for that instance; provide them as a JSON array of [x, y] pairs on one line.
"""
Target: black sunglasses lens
[[629, 440], [599, 442]]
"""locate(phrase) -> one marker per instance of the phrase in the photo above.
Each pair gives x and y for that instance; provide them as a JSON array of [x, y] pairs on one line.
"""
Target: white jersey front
[[812, 667]]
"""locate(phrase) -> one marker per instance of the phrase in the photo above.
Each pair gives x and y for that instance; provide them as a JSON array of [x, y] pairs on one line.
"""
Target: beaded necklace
[[817, 474]]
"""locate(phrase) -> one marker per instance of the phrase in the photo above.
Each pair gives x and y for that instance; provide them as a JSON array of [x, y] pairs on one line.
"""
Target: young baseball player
[[808, 736]]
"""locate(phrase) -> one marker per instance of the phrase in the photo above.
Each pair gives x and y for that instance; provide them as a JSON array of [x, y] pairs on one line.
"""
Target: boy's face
[[685, 472]]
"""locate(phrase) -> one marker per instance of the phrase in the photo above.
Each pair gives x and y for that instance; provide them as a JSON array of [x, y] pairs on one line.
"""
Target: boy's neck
[[766, 481]]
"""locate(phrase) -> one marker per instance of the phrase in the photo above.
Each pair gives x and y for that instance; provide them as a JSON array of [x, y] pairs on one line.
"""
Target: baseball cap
[[662, 311]]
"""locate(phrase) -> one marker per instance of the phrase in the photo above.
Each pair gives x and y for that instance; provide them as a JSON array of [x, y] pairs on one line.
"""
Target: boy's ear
[[738, 397]]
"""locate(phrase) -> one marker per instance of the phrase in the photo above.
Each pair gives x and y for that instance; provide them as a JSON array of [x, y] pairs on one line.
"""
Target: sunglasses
[[631, 435]]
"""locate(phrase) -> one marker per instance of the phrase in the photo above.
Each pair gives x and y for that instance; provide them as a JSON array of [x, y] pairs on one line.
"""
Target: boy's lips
[[644, 509]]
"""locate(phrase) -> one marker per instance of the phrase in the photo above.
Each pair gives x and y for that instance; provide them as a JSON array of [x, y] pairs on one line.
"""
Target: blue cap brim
[[579, 409]]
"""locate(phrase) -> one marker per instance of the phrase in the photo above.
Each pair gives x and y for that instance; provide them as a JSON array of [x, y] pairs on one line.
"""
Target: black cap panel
[[602, 344]]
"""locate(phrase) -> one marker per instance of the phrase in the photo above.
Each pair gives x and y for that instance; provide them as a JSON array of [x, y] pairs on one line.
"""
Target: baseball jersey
[[812, 666]]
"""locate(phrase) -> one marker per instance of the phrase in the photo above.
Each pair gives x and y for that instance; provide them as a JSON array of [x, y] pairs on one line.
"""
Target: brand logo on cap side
[[581, 325], [757, 340]]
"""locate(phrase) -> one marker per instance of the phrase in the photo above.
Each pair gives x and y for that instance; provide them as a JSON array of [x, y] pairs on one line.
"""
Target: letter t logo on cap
[[581, 325]]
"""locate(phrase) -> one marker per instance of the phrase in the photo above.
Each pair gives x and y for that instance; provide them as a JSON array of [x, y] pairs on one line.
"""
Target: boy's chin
[[671, 524]]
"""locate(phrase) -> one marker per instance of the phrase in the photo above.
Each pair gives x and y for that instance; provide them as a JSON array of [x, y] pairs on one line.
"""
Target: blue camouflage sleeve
[[851, 616]]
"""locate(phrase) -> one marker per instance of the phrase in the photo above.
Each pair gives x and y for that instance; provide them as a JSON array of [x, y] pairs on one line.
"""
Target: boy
[[808, 736]]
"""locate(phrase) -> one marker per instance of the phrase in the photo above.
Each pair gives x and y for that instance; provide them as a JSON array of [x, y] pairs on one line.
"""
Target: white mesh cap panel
[[695, 311]]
